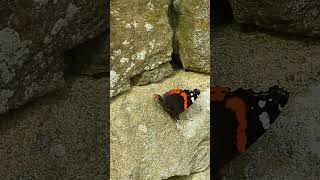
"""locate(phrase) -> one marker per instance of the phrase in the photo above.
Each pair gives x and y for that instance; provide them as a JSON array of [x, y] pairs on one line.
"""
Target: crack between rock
[[177, 177], [173, 17]]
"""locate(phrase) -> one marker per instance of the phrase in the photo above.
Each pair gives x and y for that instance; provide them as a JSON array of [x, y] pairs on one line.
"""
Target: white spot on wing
[[265, 120], [262, 103], [192, 99]]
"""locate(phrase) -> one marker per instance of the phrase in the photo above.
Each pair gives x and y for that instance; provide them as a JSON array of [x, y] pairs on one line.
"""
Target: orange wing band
[[239, 107], [183, 94]]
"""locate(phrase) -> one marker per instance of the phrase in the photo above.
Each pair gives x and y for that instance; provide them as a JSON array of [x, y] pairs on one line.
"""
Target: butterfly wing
[[169, 105], [176, 101], [262, 109]]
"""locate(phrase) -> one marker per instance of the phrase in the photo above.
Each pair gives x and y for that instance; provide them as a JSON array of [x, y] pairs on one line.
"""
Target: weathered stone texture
[[61, 136], [140, 40], [147, 144], [153, 75], [193, 34], [298, 17], [204, 175], [33, 37]]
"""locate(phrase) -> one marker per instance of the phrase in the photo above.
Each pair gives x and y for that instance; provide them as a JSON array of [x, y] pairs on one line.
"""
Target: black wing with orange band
[[240, 117]]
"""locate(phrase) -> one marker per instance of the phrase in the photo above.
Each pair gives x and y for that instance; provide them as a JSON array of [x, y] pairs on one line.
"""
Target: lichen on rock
[[139, 39], [153, 75], [193, 34]]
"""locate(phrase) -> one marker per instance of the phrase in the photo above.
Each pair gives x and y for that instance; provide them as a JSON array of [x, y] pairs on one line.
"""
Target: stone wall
[[141, 40], [33, 38], [295, 17], [145, 142]]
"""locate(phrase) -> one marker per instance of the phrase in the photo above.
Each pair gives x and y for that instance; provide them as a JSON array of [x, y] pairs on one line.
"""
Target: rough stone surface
[[147, 144], [33, 37], [299, 17], [140, 40], [205, 175], [256, 60], [154, 75], [58, 136], [289, 149], [193, 34]]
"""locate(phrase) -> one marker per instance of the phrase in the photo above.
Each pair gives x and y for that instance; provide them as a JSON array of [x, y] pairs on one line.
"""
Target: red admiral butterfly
[[240, 117], [176, 101]]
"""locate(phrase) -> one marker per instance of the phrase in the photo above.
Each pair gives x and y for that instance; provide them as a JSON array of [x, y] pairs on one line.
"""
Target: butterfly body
[[177, 101]]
